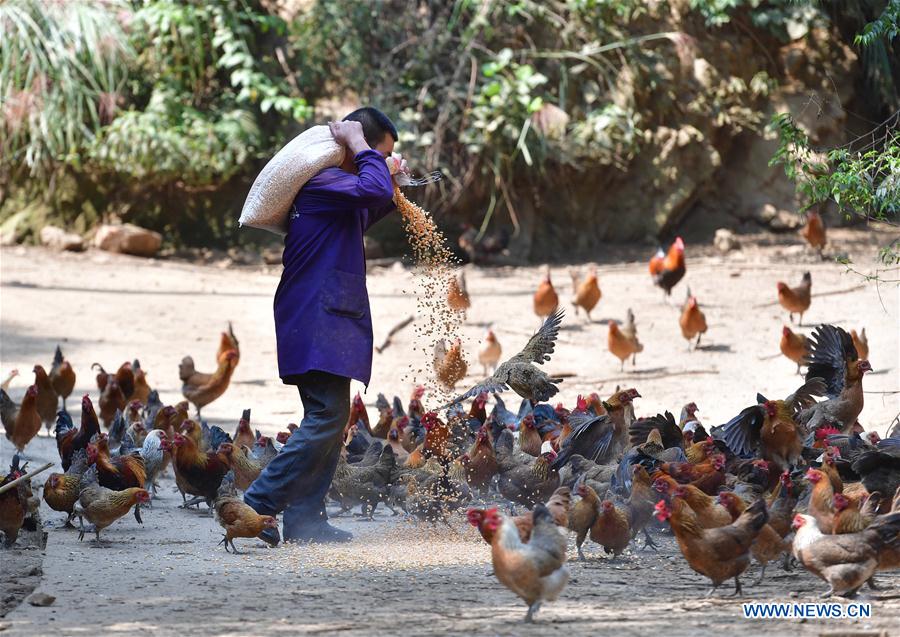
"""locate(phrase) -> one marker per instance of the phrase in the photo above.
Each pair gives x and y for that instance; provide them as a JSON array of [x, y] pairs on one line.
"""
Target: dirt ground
[[169, 577]]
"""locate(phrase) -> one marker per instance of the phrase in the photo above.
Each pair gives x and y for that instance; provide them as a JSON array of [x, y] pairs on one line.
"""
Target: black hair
[[375, 124]]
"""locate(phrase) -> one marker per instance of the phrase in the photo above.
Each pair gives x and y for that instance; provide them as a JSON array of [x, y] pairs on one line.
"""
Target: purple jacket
[[322, 318]]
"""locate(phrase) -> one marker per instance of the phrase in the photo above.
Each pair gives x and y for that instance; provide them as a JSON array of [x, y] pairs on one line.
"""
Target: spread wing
[[741, 433], [668, 429], [803, 397], [540, 346], [491, 385], [830, 349]]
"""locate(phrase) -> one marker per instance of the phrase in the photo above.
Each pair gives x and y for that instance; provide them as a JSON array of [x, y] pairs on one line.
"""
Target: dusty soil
[[168, 576]]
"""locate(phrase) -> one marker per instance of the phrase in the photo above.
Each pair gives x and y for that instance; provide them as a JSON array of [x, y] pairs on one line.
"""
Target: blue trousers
[[297, 479]]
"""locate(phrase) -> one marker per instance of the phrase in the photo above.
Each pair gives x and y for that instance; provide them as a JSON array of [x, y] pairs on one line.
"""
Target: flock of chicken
[[793, 481]]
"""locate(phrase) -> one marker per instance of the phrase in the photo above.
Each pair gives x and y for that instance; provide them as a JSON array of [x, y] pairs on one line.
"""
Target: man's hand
[[349, 134]]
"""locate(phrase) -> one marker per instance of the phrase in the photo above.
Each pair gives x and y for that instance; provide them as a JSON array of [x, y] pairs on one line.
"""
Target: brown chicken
[[47, 401], [21, 422], [793, 346], [769, 545], [559, 506], [62, 376], [546, 300], [583, 515], [536, 570], [449, 365], [821, 501], [847, 515], [202, 395], [529, 437], [188, 374], [358, 414], [489, 352], [814, 231], [610, 530], [861, 343], [623, 343], [245, 468], [437, 436], [13, 504], [721, 553], [710, 514], [796, 300], [587, 294], [102, 506], [668, 268], [141, 391], [124, 376], [482, 465], [112, 399], [238, 519], [457, 294], [243, 435], [116, 473], [196, 473], [692, 321]]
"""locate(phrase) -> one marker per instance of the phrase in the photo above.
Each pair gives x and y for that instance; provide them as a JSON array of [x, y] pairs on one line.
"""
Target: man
[[323, 324]]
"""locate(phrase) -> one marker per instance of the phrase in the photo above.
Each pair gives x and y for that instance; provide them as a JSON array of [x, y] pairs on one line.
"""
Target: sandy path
[[169, 575]]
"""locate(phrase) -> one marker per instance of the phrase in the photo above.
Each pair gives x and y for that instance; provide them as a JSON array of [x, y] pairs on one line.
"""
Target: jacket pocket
[[344, 294]]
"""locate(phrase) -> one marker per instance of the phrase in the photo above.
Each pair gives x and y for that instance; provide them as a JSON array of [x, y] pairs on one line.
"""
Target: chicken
[[116, 473], [9, 378], [141, 390], [861, 343], [587, 294], [520, 374], [583, 515], [834, 359], [720, 553], [559, 506], [489, 352], [821, 500], [793, 346], [769, 545], [879, 470], [845, 561], [710, 514], [692, 321], [529, 438], [156, 453], [847, 515], [62, 376], [187, 372], [814, 231], [667, 269], [13, 504], [112, 399], [205, 393], [623, 342], [457, 294], [546, 300], [771, 427], [610, 529], [245, 468], [364, 486], [437, 436], [782, 504], [449, 365], [61, 490], [21, 422], [70, 440], [47, 400], [196, 473], [640, 504], [238, 519], [124, 376], [600, 438], [535, 571], [796, 300], [482, 465], [102, 506], [531, 483], [228, 343]]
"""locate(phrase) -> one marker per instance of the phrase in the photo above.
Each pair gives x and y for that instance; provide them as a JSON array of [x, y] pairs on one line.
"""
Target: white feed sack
[[272, 194]]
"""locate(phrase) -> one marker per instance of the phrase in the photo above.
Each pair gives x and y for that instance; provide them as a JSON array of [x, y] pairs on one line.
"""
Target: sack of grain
[[272, 194]]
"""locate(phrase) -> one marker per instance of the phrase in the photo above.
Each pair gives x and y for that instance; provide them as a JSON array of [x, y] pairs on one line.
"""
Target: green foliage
[[885, 27]]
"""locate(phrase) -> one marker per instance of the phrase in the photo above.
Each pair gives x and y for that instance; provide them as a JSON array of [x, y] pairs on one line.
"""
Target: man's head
[[378, 129]]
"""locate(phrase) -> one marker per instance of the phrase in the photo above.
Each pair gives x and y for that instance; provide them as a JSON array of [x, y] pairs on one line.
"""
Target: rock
[[726, 241], [128, 239], [12, 228], [59, 239], [766, 213], [40, 599], [784, 221]]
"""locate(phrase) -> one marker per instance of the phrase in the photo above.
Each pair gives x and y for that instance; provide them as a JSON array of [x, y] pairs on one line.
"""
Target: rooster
[[667, 269], [535, 571], [116, 473], [833, 358], [21, 422], [62, 376], [205, 393], [70, 440], [196, 473], [796, 300]]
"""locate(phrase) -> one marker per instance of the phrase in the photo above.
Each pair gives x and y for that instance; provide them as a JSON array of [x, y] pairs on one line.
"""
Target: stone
[[766, 213], [58, 239], [128, 239], [12, 228], [726, 241], [40, 599], [784, 221]]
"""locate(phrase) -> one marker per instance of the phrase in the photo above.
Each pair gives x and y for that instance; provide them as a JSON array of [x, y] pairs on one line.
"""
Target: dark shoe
[[321, 532], [270, 536]]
